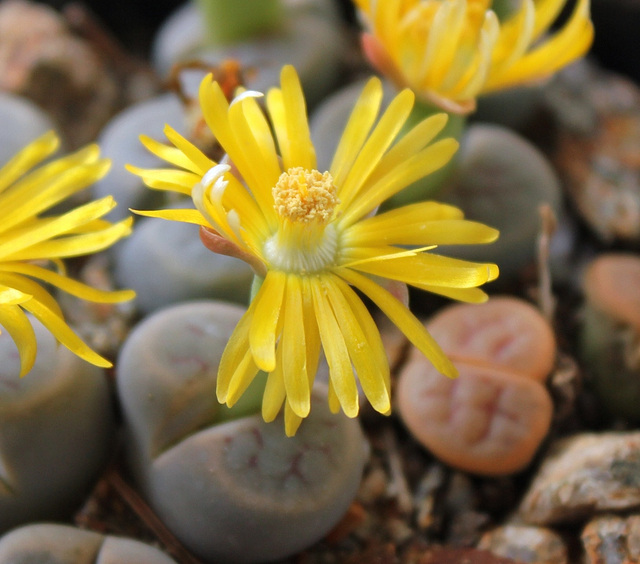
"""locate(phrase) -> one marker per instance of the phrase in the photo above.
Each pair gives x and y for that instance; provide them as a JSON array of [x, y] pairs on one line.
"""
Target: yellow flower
[[29, 242], [451, 51], [313, 238]]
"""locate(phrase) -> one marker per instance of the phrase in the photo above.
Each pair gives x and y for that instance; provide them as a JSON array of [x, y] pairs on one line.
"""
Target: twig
[[546, 300], [398, 485]]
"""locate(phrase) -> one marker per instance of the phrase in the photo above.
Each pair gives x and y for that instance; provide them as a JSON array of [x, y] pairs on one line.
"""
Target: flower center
[[306, 241], [305, 196]]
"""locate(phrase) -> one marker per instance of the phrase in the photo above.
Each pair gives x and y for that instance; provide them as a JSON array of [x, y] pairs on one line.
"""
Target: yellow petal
[[336, 351], [297, 126], [357, 130], [13, 319], [292, 421], [215, 109], [413, 329], [168, 179], [11, 296], [241, 379], [373, 376], [76, 245], [427, 268], [201, 163], [378, 142], [258, 149], [184, 215], [172, 155], [293, 345], [413, 141], [443, 232], [420, 165], [51, 227], [274, 391], [263, 332], [40, 190], [63, 333], [234, 353], [28, 158], [68, 285], [31, 288], [370, 329], [468, 295]]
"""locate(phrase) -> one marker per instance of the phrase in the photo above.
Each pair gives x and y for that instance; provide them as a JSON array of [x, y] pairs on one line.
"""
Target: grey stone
[[530, 545]]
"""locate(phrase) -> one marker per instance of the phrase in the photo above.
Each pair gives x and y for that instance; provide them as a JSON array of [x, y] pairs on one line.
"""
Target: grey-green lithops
[[56, 425], [230, 486], [165, 262], [502, 180], [22, 121], [119, 141], [62, 544], [309, 37]]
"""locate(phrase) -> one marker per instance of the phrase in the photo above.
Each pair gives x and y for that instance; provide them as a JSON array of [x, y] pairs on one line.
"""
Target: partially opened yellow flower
[[451, 51], [312, 237], [30, 243]]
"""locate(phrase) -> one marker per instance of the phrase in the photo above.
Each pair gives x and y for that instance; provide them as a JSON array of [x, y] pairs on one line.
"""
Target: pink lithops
[[611, 286], [505, 331], [493, 417]]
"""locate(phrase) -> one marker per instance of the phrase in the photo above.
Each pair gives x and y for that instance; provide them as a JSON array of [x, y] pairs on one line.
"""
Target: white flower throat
[[306, 240]]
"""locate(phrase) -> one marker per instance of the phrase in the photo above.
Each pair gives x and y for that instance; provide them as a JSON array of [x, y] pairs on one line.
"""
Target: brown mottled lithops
[[62, 544], [218, 477], [55, 429], [493, 417], [610, 336]]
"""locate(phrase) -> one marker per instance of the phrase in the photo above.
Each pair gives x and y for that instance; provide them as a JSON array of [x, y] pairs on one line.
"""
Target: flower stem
[[228, 21], [429, 186]]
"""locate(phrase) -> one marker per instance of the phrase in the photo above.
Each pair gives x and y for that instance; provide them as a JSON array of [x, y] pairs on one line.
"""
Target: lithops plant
[[56, 425], [22, 122], [492, 418], [119, 141], [501, 176], [165, 263], [305, 33], [62, 544], [230, 486], [610, 335]]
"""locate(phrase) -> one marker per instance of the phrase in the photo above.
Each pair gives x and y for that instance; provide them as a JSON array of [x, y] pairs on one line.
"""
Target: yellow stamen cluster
[[305, 196]]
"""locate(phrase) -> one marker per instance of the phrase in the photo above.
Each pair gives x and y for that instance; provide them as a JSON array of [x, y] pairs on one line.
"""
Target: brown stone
[[612, 539], [583, 475]]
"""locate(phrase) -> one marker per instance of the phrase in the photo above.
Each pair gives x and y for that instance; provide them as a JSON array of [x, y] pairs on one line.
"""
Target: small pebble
[[62, 544], [531, 545], [611, 540], [582, 475]]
